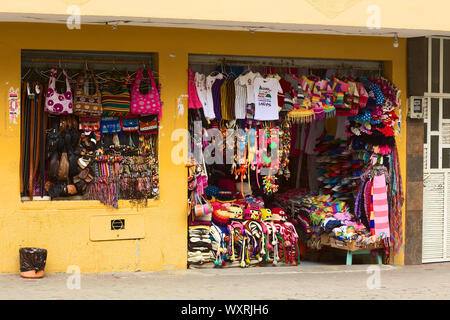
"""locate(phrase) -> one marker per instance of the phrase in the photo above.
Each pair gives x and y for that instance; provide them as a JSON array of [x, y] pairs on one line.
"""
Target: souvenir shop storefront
[[98, 175], [290, 156]]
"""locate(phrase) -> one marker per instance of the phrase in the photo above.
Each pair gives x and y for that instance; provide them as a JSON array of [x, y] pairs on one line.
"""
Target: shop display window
[[89, 126]]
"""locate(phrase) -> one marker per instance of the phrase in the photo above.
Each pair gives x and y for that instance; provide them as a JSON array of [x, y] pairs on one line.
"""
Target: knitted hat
[[251, 210], [220, 217], [278, 214], [288, 103], [266, 214], [235, 211], [319, 112], [212, 191]]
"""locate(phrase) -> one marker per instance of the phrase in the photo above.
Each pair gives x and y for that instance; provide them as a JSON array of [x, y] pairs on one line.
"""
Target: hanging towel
[[380, 205]]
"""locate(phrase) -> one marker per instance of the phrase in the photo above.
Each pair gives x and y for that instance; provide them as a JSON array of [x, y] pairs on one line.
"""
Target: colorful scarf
[[380, 206], [397, 199]]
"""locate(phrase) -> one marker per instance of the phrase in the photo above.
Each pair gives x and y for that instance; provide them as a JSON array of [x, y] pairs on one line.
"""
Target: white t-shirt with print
[[266, 98], [209, 108], [247, 80], [200, 86], [240, 99]]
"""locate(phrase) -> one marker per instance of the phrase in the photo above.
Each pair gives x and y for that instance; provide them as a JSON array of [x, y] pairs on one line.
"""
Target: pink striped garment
[[380, 206]]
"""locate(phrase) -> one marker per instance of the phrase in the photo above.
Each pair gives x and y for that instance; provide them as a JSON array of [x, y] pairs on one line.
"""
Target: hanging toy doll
[[241, 171], [242, 161]]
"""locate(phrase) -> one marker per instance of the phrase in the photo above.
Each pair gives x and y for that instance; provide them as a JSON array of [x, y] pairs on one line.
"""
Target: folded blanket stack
[[199, 245]]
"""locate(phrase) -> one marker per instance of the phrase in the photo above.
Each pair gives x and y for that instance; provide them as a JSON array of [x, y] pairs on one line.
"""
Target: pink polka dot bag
[[145, 104], [58, 103]]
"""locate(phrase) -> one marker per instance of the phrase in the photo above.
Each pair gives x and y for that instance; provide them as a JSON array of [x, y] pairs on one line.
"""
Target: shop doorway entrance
[[436, 224], [306, 198]]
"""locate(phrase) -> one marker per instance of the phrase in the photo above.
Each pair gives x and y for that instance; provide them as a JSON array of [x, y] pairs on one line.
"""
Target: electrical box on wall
[[113, 227], [417, 105]]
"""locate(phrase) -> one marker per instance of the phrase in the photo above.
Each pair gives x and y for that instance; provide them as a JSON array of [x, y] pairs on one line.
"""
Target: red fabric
[[286, 87]]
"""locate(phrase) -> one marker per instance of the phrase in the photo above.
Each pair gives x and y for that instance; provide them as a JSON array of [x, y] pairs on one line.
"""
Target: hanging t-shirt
[[240, 98], [215, 93], [247, 80], [266, 98], [209, 110], [200, 85]]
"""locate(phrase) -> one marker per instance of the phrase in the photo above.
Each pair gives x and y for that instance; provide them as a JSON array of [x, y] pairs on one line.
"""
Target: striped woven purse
[[115, 103]]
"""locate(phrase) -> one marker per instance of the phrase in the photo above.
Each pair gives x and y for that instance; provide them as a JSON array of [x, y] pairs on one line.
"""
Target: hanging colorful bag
[[110, 124], [148, 124], [58, 103], [145, 104], [115, 102], [85, 104], [89, 124], [202, 207], [129, 123]]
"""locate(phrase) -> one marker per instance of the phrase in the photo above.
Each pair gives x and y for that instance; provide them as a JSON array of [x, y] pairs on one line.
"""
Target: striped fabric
[[230, 99], [380, 205], [227, 99], [115, 104]]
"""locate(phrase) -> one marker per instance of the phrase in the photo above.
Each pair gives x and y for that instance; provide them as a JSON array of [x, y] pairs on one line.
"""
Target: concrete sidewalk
[[302, 282]]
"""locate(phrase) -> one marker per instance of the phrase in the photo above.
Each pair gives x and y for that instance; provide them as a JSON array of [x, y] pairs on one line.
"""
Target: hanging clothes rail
[[124, 61], [340, 64], [89, 61]]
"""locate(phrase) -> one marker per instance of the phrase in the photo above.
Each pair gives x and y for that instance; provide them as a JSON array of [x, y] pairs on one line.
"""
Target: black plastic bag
[[32, 259]]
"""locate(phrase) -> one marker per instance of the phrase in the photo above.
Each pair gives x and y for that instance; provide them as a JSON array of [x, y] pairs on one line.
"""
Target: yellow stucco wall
[[401, 14], [63, 226]]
